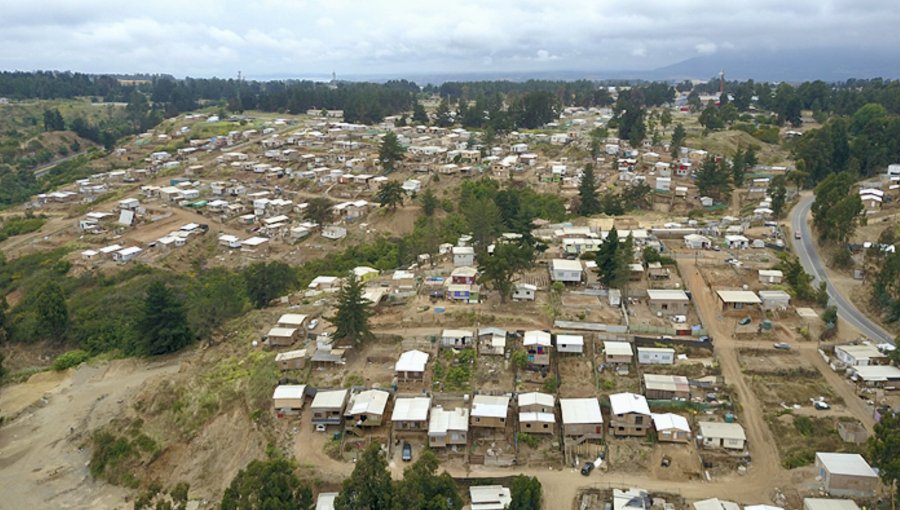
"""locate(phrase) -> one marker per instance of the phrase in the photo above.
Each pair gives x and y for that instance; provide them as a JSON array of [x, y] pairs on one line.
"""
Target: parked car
[[587, 468], [821, 405], [782, 346], [313, 324], [320, 427], [746, 320], [407, 452]]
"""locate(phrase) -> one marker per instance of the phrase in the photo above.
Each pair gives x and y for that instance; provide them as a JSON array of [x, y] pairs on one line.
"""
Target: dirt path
[[766, 466], [42, 462], [844, 388]]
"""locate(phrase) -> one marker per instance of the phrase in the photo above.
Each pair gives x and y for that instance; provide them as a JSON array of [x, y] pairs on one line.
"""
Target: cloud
[[286, 37]]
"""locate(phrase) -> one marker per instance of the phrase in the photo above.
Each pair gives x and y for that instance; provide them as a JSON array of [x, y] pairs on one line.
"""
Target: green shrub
[[532, 440], [70, 359]]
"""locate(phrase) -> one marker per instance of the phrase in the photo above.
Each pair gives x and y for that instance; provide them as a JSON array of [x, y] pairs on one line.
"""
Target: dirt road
[[42, 462]]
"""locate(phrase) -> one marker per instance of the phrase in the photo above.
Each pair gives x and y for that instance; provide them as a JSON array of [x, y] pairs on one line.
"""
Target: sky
[[299, 38]]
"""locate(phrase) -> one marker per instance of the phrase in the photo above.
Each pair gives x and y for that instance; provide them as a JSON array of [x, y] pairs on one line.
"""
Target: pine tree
[[678, 137], [53, 311], [610, 261], [429, 202], [390, 195], [390, 152], [267, 485], [423, 488], [420, 116], [587, 193], [353, 312], [163, 325]]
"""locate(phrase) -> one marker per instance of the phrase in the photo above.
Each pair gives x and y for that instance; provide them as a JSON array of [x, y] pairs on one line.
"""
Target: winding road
[[813, 264]]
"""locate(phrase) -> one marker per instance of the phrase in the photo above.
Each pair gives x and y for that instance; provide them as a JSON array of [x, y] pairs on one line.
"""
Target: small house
[[524, 292], [537, 344], [729, 436], [697, 242], [666, 387], [366, 408], [671, 428], [774, 299], [846, 474], [448, 427], [656, 356], [289, 397], [668, 302], [737, 242], [716, 504], [492, 341], [569, 344], [770, 276], [489, 411], [365, 274], [489, 497], [280, 337], [859, 355], [877, 375], [463, 256], [456, 338], [629, 414], [738, 301], [411, 414], [328, 407], [463, 275], [618, 352], [566, 271], [581, 417], [291, 320], [829, 504], [536, 402], [291, 360], [411, 366], [537, 423], [325, 500], [126, 255]]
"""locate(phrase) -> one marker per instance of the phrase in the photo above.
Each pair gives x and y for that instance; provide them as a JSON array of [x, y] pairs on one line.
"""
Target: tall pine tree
[[163, 325], [352, 317], [369, 486], [587, 193]]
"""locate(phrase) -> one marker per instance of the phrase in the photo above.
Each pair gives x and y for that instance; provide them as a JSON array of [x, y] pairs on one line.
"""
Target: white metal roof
[[617, 348], [656, 350], [255, 241], [333, 399], [490, 406], [536, 337], [829, 504], [282, 332], [666, 382], [773, 294], [878, 373], [411, 409], [849, 464], [489, 497], [768, 273], [739, 296], [669, 421], [715, 504], [368, 402], [861, 351], [325, 501], [456, 333], [625, 403], [411, 361], [569, 340], [537, 417], [289, 355], [565, 265], [292, 319], [576, 411], [722, 430], [666, 295], [289, 391], [442, 420], [536, 398]]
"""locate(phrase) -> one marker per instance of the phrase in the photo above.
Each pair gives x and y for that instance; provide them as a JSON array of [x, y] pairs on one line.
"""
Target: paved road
[[42, 170], [813, 264]]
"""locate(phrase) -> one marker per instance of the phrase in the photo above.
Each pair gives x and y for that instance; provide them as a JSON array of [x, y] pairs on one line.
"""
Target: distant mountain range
[[829, 64]]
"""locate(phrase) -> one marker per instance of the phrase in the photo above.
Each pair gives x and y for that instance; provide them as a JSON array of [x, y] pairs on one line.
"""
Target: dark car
[[407, 452], [587, 468], [746, 320]]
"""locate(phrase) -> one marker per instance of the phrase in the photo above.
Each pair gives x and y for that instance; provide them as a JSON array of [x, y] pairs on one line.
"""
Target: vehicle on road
[[797, 235], [783, 346], [407, 452], [587, 468]]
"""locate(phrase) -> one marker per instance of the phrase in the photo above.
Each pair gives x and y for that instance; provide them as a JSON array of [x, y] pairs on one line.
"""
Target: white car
[[313, 324]]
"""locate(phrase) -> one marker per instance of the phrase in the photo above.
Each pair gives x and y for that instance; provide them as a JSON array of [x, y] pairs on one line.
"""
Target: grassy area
[[20, 225], [799, 438], [453, 370], [119, 450]]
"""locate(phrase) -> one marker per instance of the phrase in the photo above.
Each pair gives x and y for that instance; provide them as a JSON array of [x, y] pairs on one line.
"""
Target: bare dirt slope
[[42, 462]]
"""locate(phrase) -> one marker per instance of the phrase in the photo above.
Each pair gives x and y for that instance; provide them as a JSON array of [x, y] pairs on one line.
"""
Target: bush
[[532, 440], [70, 359]]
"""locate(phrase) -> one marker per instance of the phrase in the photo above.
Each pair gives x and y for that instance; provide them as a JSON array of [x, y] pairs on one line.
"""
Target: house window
[[664, 306], [546, 426], [527, 425], [638, 420], [477, 419], [621, 429]]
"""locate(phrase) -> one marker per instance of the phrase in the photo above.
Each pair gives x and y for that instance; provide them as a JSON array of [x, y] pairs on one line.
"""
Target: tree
[[390, 152], [423, 489], [443, 118], [4, 325], [163, 325], [499, 268], [53, 120], [611, 263], [738, 166], [589, 204], [369, 487], [554, 300], [430, 202], [353, 311], [665, 118], [267, 485], [598, 135], [485, 221], [637, 195], [714, 179], [390, 195], [319, 210], [710, 118], [51, 307], [175, 499], [837, 208], [525, 492], [420, 116], [215, 296], [267, 281], [886, 286], [678, 137], [884, 451], [750, 160], [779, 195]]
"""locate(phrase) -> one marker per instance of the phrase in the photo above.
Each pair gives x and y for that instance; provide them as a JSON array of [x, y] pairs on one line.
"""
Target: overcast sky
[[298, 37]]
